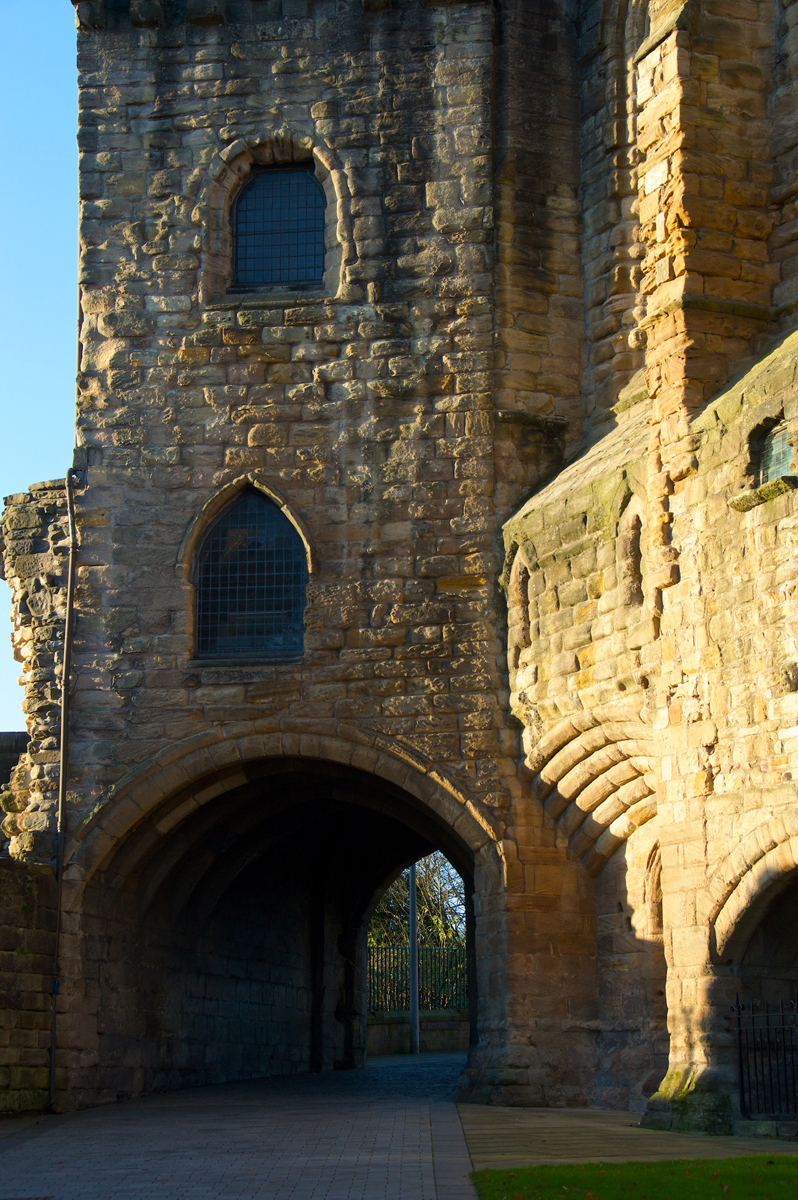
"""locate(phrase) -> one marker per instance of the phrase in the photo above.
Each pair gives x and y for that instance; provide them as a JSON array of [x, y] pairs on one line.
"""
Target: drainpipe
[[63, 764]]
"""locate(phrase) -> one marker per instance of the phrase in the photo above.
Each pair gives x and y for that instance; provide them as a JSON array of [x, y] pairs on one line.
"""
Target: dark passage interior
[[230, 926], [768, 968]]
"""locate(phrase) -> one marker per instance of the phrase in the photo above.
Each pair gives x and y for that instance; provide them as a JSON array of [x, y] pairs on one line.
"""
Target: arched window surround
[[228, 173], [202, 523]]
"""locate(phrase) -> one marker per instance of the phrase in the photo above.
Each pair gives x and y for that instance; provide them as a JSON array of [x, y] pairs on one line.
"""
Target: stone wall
[[439, 1033], [35, 541], [669, 736], [366, 410], [27, 921], [199, 998], [612, 251], [727, 765], [555, 236]]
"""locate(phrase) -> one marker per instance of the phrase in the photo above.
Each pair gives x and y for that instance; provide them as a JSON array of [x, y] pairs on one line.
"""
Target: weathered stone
[[146, 12], [529, 316]]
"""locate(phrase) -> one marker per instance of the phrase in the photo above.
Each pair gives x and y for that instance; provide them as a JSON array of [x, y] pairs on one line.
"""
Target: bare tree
[[441, 907]]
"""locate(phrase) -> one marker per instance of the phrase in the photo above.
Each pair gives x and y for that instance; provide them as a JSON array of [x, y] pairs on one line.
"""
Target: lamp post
[[414, 1022]]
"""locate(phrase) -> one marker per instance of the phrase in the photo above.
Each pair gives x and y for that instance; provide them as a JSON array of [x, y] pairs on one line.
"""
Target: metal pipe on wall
[[415, 1043], [63, 765]]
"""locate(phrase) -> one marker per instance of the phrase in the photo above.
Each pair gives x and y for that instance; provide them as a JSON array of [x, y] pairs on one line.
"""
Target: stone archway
[[746, 881], [218, 926]]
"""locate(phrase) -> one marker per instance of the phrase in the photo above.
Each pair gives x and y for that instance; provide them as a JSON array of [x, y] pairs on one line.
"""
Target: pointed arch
[[761, 864], [216, 504], [518, 601]]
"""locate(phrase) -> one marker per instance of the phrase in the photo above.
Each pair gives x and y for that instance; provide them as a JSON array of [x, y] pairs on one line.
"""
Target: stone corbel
[[206, 12], [89, 14], [146, 12]]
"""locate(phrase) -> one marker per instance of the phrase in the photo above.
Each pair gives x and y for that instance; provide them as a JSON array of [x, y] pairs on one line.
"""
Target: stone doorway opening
[[768, 970], [224, 938], [765, 980]]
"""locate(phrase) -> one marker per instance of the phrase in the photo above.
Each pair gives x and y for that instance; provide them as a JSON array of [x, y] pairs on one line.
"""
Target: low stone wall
[[27, 920], [389, 1032]]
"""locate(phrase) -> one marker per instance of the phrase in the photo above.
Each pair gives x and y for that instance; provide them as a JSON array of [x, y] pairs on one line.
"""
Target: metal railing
[[767, 1057], [442, 978]]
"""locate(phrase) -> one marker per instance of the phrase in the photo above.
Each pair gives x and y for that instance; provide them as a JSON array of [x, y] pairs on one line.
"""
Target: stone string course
[[556, 323]]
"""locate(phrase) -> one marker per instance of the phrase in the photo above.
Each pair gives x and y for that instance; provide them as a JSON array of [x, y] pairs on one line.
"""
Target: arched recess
[[629, 553], [762, 866], [227, 173], [240, 873], [518, 600], [755, 950]]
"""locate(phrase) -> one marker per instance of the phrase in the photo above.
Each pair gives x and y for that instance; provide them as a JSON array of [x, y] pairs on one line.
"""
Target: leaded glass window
[[775, 455], [278, 227], [251, 575]]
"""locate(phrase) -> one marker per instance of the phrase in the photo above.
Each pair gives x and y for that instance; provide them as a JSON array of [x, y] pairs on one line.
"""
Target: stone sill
[[767, 491], [244, 664], [279, 298]]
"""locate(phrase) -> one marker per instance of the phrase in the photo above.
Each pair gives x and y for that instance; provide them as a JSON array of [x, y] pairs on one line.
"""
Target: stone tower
[[546, 580]]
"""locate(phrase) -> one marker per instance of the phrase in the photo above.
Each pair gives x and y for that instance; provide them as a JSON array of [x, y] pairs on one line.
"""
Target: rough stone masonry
[[551, 624]]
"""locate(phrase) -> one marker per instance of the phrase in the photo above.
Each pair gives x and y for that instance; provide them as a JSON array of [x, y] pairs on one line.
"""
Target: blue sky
[[38, 266]]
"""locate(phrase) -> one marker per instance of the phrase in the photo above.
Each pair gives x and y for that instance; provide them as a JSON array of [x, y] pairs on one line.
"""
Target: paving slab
[[502, 1138], [388, 1132]]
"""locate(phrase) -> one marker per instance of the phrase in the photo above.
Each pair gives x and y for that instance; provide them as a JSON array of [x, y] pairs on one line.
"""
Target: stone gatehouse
[[464, 519]]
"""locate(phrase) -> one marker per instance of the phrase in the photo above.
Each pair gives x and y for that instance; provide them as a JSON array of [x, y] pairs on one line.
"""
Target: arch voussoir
[[744, 902], [201, 772]]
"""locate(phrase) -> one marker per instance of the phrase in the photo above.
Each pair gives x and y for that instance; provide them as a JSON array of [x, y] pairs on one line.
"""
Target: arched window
[[250, 576], [278, 230], [629, 555], [518, 597], [653, 892], [775, 454]]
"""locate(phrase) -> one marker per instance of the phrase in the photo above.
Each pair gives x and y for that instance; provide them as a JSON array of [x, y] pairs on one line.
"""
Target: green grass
[[763, 1177]]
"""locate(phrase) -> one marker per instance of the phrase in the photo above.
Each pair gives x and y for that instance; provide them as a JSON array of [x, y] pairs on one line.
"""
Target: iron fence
[[442, 978], [767, 1056]]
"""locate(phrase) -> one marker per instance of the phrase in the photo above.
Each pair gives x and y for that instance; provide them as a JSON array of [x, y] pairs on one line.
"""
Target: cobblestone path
[[389, 1132]]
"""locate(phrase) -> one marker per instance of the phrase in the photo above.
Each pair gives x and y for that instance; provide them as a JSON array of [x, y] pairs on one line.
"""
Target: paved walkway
[[526, 1137], [389, 1132]]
